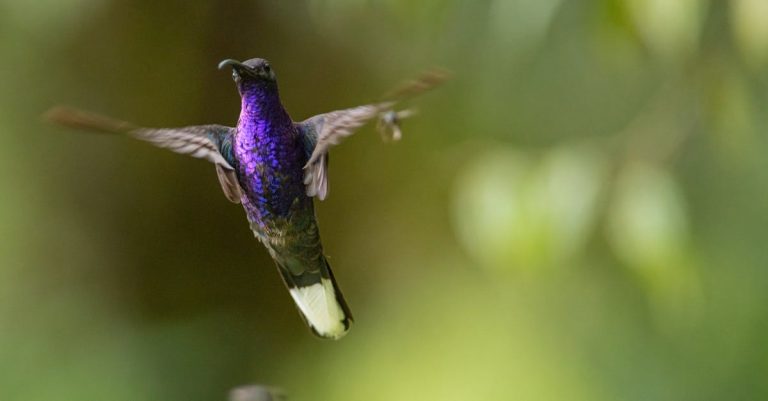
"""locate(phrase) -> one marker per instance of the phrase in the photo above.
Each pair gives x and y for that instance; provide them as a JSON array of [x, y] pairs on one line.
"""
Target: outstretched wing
[[210, 142], [325, 130], [322, 131]]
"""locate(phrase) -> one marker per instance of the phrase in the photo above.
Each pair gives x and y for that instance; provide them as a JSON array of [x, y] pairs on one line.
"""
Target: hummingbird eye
[[266, 71]]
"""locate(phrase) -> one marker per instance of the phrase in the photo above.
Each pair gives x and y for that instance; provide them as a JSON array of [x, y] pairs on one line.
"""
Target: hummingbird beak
[[255, 69], [230, 61], [237, 66]]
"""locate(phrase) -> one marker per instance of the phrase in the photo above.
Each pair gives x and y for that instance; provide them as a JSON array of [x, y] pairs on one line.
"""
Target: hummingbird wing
[[209, 142], [322, 131], [325, 130]]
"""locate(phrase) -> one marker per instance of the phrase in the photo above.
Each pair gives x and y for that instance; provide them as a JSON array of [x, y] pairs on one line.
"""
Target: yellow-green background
[[580, 214]]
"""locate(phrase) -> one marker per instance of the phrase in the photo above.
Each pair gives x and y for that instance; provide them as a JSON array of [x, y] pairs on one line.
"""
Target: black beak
[[239, 67], [232, 62]]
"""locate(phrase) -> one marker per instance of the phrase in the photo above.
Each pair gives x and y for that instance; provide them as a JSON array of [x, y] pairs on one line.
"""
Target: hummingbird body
[[269, 156], [274, 166]]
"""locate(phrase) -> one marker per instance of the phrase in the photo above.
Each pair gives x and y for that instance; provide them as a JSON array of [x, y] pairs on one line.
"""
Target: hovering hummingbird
[[274, 166]]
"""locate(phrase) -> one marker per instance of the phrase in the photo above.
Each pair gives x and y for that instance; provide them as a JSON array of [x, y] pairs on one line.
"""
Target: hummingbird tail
[[319, 300]]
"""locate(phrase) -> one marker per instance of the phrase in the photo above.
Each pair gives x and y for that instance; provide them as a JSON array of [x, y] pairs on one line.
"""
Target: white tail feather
[[322, 310]]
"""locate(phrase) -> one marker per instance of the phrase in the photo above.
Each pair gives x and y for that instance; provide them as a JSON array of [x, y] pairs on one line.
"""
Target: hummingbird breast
[[270, 158]]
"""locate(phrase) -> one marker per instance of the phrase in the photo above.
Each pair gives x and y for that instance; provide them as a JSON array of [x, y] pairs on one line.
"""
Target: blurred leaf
[[515, 213], [731, 115], [648, 224], [749, 22], [521, 24], [670, 29], [648, 229]]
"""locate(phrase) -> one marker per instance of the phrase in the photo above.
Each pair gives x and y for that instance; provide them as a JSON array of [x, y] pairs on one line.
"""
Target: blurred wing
[[427, 80], [209, 142], [201, 141], [389, 124], [331, 128], [321, 132], [325, 130], [229, 183], [337, 125]]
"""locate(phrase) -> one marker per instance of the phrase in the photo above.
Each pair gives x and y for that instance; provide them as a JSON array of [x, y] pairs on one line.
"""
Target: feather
[[317, 296], [229, 183], [427, 80], [209, 142], [321, 132]]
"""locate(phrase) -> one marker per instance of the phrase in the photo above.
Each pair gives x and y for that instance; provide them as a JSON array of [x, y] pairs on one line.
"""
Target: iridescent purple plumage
[[269, 153]]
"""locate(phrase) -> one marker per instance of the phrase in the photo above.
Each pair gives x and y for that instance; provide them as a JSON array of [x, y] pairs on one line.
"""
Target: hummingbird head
[[250, 72]]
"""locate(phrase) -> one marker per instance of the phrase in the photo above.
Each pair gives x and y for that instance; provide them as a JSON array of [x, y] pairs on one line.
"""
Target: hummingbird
[[274, 167]]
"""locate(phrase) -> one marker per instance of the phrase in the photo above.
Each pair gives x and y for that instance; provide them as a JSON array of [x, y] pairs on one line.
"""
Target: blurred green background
[[580, 214]]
